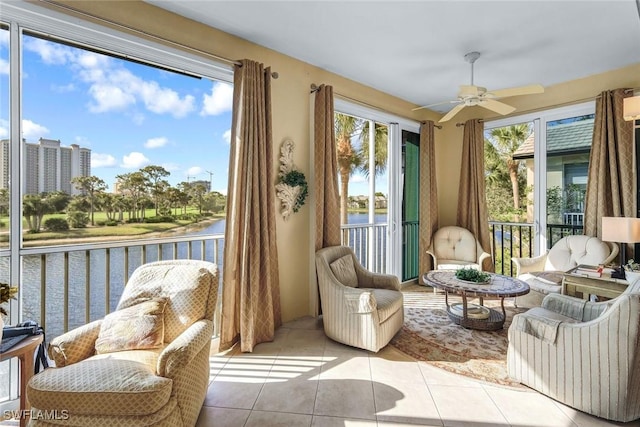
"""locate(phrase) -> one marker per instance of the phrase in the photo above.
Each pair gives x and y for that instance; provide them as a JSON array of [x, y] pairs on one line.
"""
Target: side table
[[604, 286], [25, 352]]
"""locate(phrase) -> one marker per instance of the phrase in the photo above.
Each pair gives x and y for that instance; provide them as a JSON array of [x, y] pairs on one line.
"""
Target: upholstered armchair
[[359, 308], [146, 363], [544, 273], [583, 354], [455, 247]]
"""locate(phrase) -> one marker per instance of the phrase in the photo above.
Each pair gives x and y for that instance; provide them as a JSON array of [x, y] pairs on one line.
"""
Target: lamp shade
[[631, 108], [620, 229]]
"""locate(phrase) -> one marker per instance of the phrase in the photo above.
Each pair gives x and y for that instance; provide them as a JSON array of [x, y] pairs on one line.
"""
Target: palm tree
[[352, 158], [346, 128], [506, 141]]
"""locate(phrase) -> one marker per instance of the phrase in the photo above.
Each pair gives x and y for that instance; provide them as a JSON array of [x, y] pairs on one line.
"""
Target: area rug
[[428, 335]]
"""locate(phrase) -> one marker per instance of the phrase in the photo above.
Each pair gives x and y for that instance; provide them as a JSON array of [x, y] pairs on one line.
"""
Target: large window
[[536, 170], [103, 136]]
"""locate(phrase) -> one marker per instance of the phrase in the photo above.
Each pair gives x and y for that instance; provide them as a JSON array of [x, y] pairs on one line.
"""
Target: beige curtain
[[611, 184], [250, 293], [326, 171], [428, 194], [472, 200]]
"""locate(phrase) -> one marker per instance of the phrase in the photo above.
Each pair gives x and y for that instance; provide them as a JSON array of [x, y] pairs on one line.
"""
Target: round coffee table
[[474, 316]]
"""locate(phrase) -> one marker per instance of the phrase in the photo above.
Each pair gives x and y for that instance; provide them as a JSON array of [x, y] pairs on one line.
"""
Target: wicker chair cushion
[[123, 383], [138, 327], [345, 271]]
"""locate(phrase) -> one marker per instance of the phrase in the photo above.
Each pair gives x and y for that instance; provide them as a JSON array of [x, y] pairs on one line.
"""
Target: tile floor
[[303, 378]]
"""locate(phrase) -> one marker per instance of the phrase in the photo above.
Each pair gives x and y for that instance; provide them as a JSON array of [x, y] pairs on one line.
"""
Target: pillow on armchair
[[139, 327], [345, 271]]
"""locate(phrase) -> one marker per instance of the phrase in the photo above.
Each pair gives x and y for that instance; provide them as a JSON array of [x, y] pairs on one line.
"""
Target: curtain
[[250, 293], [472, 200], [611, 183], [428, 195], [326, 171]]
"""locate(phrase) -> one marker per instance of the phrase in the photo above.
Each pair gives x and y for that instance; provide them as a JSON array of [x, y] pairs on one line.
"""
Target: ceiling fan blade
[[516, 91], [455, 110], [497, 106], [437, 103]]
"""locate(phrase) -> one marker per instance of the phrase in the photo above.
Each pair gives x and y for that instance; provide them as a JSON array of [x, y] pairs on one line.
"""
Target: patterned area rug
[[428, 335]]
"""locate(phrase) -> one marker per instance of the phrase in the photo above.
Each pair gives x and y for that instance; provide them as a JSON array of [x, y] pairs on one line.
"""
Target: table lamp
[[621, 230]]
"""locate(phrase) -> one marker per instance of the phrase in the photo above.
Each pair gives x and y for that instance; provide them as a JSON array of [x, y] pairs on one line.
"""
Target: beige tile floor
[[303, 378]]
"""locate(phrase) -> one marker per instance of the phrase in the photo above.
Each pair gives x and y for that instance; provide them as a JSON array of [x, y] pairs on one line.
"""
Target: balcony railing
[[68, 286]]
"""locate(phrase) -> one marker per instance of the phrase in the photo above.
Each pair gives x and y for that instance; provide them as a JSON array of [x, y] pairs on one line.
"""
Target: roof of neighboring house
[[574, 137]]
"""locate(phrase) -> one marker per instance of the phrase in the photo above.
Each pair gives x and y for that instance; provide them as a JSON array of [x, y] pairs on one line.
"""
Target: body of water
[[32, 281]]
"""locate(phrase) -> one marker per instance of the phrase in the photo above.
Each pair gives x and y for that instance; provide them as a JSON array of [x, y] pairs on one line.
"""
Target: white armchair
[[456, 247], [585, 355], [544, 273], [359, 308]]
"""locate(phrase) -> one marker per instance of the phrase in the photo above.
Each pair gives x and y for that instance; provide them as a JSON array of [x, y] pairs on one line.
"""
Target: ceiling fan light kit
[[472, 95]]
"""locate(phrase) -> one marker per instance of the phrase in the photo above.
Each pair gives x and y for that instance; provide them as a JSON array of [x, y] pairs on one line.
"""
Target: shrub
[[158, 219], [78, 219], [56, 224], [111, 223]]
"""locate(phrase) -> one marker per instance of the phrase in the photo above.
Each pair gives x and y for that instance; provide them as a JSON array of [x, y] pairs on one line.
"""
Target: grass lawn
[[132, 229]]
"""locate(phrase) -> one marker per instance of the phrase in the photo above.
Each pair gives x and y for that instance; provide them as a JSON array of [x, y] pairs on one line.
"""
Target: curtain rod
[[315, 88], [145, 34], [462, 124]]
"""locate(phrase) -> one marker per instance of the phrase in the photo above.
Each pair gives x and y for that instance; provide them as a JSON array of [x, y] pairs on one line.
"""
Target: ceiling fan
[[471, 95]]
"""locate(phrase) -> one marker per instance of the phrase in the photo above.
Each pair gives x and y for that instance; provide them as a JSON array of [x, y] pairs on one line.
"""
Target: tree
[[154, 175], [506, 141], [91, 186], [34, 208], [346, 128], [381, 143], [197, 192], [134, 185]]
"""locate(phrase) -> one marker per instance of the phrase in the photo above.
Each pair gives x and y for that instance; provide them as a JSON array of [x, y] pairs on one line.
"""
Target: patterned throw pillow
[[138, 327], [345, 271]]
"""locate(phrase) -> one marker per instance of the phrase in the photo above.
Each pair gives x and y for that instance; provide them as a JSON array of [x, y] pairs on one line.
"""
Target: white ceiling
[[414, 49]]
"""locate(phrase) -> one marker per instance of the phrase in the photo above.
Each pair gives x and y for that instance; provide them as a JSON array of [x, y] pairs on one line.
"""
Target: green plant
[[631, 265], [472, 275], [7, 292], [296, 178], [56, 224]]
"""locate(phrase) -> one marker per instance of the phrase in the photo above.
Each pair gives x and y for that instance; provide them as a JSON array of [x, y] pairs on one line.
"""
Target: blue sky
[[129, 115]]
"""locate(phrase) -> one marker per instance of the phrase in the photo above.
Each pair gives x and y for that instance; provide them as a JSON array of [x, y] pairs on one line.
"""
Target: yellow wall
[[290, 104]]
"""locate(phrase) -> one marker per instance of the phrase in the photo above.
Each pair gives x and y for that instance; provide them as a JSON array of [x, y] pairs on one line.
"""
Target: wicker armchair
[[583, 354], [359, 308], [544, 273], [162, 383]]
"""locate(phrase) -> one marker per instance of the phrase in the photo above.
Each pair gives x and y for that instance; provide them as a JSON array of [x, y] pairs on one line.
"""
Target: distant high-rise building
[[48, 167], [205, 184]]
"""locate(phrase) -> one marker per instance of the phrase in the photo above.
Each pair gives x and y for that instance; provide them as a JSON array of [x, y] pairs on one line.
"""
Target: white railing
[[64, 287], [359, 237]]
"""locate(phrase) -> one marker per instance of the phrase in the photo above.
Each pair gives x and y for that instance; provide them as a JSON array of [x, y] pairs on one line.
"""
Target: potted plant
[[7, 292], [473, 275], [632, 271]]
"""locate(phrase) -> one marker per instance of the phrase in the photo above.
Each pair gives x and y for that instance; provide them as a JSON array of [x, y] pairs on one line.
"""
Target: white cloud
[[4, 128], [156, 142], [4, 66], [109, 98], [134, 160], [220, 100], [111, 86], [194, 170], [63, 88], [102, 160], [171, 167], [31, 130], [227, 136], [50, 53]]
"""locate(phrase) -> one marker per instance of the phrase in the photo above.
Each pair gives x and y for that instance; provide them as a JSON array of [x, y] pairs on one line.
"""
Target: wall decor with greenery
[[291, 189]]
